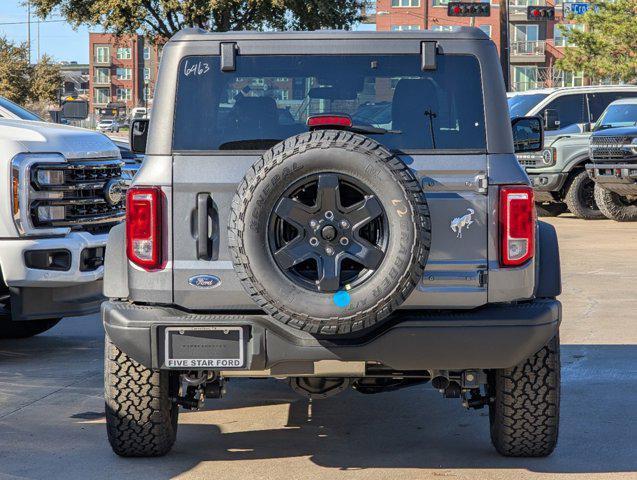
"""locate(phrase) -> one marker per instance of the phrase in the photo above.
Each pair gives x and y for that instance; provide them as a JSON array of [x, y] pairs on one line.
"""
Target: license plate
[[204, 347]]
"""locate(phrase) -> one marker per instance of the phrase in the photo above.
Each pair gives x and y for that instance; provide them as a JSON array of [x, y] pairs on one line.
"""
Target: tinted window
[[571, 110], [521, 105], [597, 102], [269, 98]]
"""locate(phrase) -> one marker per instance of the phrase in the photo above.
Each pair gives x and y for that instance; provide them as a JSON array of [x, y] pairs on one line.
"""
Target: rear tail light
[[517, 225], [329, 121], [143, 227]]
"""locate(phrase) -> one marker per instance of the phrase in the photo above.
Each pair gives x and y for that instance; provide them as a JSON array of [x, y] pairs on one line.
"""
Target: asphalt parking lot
[[52, 422]]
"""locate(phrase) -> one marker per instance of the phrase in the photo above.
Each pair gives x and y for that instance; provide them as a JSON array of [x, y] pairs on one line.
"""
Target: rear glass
[[269, 98]]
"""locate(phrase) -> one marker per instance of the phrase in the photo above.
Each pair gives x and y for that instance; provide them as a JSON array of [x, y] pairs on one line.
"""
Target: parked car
[[138, 112], [613, 153], [62, 192], [108, 125], [329, 253], [558, 173]]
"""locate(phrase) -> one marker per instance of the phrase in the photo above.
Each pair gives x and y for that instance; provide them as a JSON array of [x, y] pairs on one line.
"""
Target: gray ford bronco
[[336, 209]]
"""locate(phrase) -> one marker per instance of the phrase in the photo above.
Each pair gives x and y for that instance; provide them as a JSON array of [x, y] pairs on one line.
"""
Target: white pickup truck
[[61, 190]]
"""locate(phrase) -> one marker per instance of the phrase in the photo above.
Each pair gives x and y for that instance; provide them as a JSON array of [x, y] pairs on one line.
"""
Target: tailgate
[[455, 187]]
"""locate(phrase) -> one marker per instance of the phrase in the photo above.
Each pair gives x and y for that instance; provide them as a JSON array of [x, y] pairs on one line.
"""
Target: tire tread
[[141, 420], [525, 411], [419, 248]]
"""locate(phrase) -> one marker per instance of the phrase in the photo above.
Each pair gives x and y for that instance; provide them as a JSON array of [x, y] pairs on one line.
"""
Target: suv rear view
[[284, 226]]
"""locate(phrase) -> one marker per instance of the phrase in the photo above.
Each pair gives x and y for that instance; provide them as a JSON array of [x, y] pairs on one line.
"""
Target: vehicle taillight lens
[[329, 121], [517, 225], [143, 227]]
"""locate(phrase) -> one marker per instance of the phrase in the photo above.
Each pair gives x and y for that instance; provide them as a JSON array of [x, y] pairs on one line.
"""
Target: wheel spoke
[[292, 253], [328, 194], [363, 212], [368, 255], [329, 274], [293, 212]]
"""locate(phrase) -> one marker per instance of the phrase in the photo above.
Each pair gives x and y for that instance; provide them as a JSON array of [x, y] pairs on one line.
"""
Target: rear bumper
[[496, 336], [620, 178]]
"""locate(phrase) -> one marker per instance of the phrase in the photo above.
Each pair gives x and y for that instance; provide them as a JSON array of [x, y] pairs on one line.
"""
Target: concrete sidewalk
[[52, 423]]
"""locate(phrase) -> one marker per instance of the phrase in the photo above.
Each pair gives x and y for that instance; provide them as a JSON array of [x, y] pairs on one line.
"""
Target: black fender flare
[[548, 274]]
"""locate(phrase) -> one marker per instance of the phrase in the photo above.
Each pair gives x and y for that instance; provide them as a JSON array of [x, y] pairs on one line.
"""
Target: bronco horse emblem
[[458, 223]]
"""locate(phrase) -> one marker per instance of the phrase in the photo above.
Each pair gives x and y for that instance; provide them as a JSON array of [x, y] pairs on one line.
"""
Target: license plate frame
[[214, 341]]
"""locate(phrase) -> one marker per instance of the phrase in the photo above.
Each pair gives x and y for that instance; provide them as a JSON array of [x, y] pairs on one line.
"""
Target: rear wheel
[[141, 417], [524, 414], [580, 197], [615, 206]]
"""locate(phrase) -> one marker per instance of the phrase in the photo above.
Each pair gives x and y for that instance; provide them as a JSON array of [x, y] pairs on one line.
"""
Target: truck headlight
[[49, 177], [549, 156], [633, 146], [34, 178], [50, 213]]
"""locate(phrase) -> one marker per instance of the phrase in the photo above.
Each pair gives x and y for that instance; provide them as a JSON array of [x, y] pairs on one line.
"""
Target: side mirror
[[139, 135], [551, 119], [528, 134]]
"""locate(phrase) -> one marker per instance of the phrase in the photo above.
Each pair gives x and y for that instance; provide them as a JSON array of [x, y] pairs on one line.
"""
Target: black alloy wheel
[[328, 231]]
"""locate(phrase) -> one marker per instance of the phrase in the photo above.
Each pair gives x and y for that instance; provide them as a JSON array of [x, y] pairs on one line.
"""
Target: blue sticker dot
[[341, 299]]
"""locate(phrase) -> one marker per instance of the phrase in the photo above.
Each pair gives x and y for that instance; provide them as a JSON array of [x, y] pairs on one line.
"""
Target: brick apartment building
[[123, 72], [535, 46]]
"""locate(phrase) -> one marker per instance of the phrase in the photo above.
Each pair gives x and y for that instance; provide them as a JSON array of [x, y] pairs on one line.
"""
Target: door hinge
[[482, 183], [483, 277]]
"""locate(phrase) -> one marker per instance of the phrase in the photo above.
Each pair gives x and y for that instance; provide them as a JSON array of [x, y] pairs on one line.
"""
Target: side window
[[570, 110], [597, 102]]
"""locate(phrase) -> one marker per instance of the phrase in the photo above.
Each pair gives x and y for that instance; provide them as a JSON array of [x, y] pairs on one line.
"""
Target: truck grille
[[528, 162], [609, 148], [91, 196]]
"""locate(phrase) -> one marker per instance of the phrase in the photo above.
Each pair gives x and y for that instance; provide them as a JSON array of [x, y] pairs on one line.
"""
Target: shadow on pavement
[[415, 428], [412, 428]]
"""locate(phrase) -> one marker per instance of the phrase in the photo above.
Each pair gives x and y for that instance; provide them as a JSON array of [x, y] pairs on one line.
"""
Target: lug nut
[[329, 215], [344, 241], [344, 224], [314, 241], [329, 250], [313, 223]]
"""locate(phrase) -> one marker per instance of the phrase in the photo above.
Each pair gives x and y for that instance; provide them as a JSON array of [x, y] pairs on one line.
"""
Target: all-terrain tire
[[614, 206], [580, 197], [141, 418], [327, 152], [524, 414], [550, 209]]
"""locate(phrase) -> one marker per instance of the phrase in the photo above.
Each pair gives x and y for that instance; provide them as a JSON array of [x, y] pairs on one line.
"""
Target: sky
[[56, 39]]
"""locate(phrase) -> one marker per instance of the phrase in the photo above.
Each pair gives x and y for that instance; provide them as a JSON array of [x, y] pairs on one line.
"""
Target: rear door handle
[[207, 228]]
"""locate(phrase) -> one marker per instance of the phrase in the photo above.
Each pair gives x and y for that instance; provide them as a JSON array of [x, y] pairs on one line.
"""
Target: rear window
[[269, 98]]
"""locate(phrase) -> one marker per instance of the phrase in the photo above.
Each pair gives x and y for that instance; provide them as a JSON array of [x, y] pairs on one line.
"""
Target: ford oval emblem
[[204, 281]]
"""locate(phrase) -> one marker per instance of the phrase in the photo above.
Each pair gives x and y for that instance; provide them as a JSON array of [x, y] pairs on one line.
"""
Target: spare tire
[[329, 232]]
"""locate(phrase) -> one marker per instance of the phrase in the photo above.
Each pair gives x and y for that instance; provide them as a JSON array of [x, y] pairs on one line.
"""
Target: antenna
[[29, 30]]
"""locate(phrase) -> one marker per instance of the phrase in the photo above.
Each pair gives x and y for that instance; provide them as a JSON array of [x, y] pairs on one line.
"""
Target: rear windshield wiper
[[372, 130], [250, 144]]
